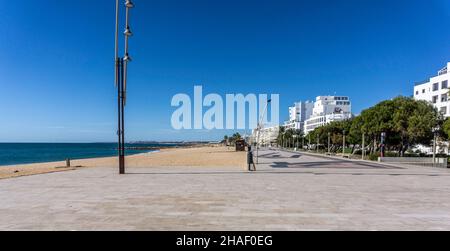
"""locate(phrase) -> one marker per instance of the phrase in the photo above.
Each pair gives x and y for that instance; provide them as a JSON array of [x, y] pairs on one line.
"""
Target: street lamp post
[[294, 142], [343, 143], [259, 130], [434, 149], [363, 152], [383, 145], [435, 132], [329, 143], [317, 147], [309, 141], [121, 81]]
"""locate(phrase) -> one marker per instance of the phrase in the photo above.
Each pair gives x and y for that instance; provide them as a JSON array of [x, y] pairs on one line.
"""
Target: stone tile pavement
[[290, 191]]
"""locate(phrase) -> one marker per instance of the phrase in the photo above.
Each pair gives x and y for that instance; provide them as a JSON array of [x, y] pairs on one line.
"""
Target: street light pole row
[[329, 143]]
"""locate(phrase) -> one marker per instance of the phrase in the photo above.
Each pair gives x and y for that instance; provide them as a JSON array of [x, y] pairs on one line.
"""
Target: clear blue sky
[[56, 72]]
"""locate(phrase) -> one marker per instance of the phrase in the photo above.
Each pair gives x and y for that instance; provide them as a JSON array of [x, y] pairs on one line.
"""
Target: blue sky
[[56, 72]]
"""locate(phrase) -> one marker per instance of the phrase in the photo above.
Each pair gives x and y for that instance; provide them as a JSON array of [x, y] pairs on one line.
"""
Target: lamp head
[[129, 4], [128, 32], [127, 58]]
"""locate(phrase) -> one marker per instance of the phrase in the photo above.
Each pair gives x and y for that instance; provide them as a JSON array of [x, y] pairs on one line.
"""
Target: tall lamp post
[[343, 143], [309, 141], [329, 134], [318, 143], [121, 81], [435, 134], [363, 152], [260, 124], [383, 146]]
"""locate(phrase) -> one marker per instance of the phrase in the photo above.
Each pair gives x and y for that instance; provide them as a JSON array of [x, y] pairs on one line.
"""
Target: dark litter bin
[[240, 145]]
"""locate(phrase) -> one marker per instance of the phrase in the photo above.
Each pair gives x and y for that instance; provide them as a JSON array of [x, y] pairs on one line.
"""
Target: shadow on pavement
[[341, 164], [279, 156]]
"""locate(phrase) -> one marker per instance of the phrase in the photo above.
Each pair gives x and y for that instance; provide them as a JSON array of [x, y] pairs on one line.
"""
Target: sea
[[27, 153]]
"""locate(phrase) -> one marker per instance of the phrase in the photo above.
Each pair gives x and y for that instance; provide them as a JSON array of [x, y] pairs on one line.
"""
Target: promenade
[[290, 191]]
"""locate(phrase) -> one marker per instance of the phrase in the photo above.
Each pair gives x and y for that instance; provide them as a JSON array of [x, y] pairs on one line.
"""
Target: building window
[[423, 90], [444, 84], [434, 99], [435, 86], [443, 110], [417, 92], [444, 97]]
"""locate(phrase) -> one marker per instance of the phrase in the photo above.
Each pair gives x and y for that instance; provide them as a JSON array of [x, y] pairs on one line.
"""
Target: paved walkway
[[289, 191]]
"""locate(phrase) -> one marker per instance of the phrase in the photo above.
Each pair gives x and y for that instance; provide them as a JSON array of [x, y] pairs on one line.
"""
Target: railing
[[417, 161]]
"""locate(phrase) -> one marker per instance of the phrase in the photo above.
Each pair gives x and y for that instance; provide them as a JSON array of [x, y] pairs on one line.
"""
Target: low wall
[[418, 161]]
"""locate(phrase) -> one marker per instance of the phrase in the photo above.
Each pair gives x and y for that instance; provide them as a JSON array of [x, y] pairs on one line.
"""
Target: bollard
[[67, 162]]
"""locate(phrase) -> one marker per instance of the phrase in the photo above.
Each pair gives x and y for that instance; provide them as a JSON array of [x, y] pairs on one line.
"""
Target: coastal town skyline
[[60, 86]]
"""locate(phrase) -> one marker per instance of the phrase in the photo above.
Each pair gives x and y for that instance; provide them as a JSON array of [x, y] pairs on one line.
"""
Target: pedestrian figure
[[250, 159]]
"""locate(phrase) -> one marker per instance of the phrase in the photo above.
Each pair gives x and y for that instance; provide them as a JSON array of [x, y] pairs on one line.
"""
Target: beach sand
[[206, 156]]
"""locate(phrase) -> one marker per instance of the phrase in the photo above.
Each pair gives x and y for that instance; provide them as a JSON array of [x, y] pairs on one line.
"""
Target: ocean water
[[27, 153]]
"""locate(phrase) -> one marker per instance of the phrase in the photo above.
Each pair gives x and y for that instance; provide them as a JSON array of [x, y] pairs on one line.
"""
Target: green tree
[[421, 122], [404, 108], [446, 128], [280, 135], [405, 121], [225, 140]]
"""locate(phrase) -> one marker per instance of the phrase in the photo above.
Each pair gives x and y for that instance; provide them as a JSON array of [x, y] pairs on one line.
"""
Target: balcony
[[443, 71]]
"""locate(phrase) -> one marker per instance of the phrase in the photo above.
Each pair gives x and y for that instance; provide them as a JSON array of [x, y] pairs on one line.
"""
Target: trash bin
[[240, 145]]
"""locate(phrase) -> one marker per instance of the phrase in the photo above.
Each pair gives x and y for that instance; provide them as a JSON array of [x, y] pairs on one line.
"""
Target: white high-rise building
[[298, 114], [267, 136], [435, 90], [328, 109]]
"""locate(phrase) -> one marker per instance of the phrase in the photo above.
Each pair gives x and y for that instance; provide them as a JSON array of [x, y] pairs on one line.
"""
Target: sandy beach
[[205, 156]]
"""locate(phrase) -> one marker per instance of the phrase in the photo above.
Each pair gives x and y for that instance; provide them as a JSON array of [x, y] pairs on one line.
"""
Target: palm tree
[[280, 135], [237, 136], [225, 139]]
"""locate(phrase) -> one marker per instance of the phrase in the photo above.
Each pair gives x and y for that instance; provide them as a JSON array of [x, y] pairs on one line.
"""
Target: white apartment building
[[267, 136], [298, 114], [435, 90], [328, 109]]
